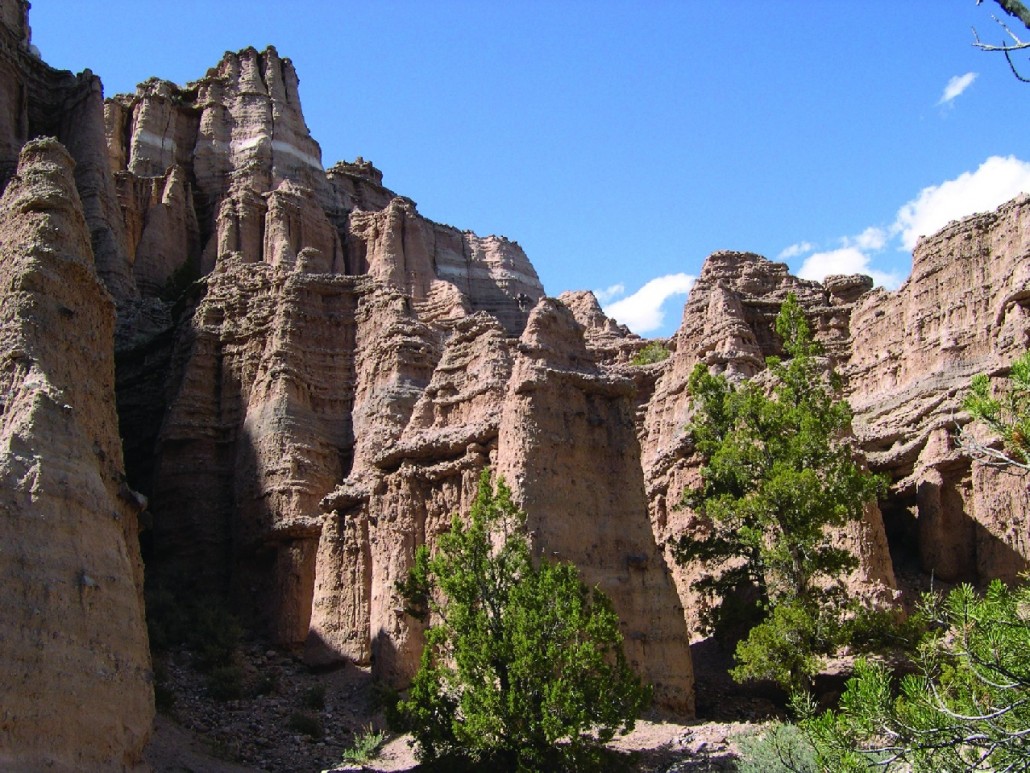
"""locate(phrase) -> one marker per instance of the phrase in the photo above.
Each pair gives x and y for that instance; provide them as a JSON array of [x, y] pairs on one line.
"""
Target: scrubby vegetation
[[779, 747], [654, 352], [965, 703], [967, 706], [1007, 415], [365, 747]]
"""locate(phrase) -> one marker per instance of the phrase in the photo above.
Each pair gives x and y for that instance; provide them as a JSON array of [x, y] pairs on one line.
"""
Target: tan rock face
[[311, 377], [399, 247], [405, 496], [963, 311], [728, 325], [609, 342], [415, 335], [75, 670], [37, 100], [257, 433], [239, 133], [322, 312], [568, 445]]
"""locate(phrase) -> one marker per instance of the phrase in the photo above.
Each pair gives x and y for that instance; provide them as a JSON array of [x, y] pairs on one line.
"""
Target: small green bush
[[225, 683], [216, 634], [308, 724], [652, 353], [314, 697], [365, 747], [779, 748], [266, 684]]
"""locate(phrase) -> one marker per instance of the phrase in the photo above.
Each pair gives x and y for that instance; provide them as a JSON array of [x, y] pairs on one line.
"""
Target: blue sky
[[622, 142]]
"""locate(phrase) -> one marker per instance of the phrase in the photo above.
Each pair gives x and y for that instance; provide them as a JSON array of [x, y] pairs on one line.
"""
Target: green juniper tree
[[779, 481], [1007, 415], [967, 706], [523, 667]]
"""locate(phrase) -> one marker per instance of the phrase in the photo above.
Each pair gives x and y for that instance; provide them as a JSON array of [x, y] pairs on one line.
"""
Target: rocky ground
[[291, 718]]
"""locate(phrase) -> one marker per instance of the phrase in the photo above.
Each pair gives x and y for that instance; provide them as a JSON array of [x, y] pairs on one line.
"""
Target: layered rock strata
[[568, 444], [312, 376], [75, 672], [315, 525], [320, 306], [562, 416], [964, 310], [728, 325]]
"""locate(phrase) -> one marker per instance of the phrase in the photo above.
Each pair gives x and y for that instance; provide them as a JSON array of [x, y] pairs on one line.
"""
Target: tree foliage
[[524, 667], [779, 480], [966, 708], [654, 352], [1007, 415]]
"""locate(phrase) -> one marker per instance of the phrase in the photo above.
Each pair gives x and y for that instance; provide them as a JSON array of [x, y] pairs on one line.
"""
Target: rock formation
[[963, 311], [728, 325], [568, 444], [323, 305], [311, 377], [37, 100], [75, 671], [343, 346]]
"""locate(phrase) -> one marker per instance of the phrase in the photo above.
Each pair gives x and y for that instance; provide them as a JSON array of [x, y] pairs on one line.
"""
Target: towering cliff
[[75, 668], [292, 366], [728, 324], [311, 376], [963, 311], [568, 443], [338, 349], [74, 660]]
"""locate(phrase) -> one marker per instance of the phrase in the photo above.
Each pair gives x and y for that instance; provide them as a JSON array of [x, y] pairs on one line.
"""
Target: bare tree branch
[[986, 454], [1018, 10], [1012, 66], [1017, 45]]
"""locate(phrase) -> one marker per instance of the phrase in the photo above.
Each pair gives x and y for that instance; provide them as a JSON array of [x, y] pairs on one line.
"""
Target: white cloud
[[872, 238], [798, 248], [997, 180], [846, 260], [643, 311], [610, 293], [956, 86]]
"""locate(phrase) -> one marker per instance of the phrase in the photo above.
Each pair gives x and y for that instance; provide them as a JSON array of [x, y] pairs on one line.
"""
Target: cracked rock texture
[[75, 670], [311, 376], [964, 310]]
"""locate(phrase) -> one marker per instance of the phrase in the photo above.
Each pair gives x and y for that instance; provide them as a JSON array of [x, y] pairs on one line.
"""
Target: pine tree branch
[[987, 454]]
